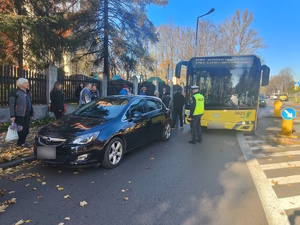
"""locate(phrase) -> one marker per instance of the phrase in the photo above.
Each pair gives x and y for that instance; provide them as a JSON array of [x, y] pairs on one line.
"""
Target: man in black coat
[[178, 103]]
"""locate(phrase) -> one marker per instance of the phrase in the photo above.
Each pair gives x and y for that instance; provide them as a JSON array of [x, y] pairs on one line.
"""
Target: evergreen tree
[[40, 31], [122, 29]]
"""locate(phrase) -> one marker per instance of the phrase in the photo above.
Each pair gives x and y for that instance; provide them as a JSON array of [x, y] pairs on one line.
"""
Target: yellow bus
[[230, 86]]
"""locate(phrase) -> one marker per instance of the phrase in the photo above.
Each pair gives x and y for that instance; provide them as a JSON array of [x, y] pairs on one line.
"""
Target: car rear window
[[103, 108]]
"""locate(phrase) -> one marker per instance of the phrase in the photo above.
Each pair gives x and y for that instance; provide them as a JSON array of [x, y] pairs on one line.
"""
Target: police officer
[[196, 112]]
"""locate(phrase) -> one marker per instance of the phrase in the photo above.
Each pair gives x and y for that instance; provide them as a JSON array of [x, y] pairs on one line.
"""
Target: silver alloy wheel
[[167, 131], [115, 152]]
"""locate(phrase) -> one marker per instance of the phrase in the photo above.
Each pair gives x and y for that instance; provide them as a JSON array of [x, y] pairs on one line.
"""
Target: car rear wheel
[[166, 134], [114, 152]]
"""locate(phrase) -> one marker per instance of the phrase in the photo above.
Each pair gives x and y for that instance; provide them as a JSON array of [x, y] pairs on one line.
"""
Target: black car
[[103, 130], [262, 100]]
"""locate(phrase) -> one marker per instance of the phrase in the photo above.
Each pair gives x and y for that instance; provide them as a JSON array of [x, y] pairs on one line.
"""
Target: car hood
[[71, 126]]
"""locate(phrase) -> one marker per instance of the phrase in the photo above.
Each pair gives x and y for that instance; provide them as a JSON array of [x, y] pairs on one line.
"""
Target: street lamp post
[[209, 12]]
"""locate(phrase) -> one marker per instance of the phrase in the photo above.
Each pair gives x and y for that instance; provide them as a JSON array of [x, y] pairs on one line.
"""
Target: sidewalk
[[12, 155], [269, 126]]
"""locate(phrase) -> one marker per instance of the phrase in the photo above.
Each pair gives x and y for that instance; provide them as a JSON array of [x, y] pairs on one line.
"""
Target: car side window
[[137, 106], [153, 104]]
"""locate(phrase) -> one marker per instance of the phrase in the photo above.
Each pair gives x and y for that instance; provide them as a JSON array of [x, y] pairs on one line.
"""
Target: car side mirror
[[137, 114]]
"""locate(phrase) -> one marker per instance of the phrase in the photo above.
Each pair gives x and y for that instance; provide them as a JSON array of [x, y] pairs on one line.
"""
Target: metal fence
[[8, 79], [115, 86], [71, 83]]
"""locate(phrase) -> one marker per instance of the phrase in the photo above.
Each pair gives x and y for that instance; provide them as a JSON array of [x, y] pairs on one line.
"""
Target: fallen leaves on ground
[[20, 222], [66, 196], [67, 218], [9, 151], [274, 182], [126, 199], [5, 204], [83, 203], [23, 166], [24, 176], [284, 141]]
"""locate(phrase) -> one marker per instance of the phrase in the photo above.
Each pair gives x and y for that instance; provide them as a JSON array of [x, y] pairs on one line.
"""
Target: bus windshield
[[229, 85]]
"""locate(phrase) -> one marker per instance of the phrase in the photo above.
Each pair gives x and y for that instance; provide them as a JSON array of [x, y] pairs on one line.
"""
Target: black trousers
[[23, 121], [196, 128], [177, 114], [58, 115]]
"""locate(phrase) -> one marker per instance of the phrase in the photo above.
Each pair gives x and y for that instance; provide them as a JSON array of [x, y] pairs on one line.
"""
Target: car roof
[[129, 97]]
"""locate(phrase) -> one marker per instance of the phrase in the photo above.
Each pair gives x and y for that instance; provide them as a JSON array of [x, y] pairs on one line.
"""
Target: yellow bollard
[[277, 105], [287, 129]]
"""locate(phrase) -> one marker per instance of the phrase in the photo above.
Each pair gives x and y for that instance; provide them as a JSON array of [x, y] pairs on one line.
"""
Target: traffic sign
[[288, 113], [297, 84]]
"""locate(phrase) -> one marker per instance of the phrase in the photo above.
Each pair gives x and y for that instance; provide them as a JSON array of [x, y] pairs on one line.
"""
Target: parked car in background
[[103, 130], [273, 97], [262, 100], [283, 97]]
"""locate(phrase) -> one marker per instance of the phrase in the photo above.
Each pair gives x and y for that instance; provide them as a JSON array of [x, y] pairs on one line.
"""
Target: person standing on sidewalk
[[95, 92], [21, 110], [57, 100], [196, 112], [178, 103], [85, 95], [78, 90]]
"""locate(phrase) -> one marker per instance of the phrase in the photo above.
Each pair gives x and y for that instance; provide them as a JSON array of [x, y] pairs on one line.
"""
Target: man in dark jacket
[[167, 100], [178, 103], [21, 110], [95, 92]]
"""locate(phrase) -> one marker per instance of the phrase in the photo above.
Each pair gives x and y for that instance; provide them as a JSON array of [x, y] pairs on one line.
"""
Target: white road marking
[[256, 141], [272, 206], [285, 180], [278, 154], [283, 165], [268, 147], [290, 202]]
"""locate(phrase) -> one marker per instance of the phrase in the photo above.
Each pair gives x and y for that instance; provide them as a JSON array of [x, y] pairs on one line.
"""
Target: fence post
[[135, 85], [51, 78], [104, 85]]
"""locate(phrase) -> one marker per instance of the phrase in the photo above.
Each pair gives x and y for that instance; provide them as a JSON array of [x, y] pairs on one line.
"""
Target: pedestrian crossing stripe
[[285, 180]]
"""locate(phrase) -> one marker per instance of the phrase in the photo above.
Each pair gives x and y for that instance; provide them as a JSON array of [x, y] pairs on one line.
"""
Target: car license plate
[[46, 152]]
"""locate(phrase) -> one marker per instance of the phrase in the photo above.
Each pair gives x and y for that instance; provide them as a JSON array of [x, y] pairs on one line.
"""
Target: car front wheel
[[166, 134], [114, 152]]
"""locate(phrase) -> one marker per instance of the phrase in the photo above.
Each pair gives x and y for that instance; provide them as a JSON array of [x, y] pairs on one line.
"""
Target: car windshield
[[103, 108]]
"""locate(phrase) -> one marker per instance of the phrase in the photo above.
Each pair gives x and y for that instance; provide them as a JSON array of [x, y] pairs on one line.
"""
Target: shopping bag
[[11, 135], [65, 109]]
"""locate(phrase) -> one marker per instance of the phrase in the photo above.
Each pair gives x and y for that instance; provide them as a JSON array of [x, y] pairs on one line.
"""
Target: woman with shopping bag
[[21, 110]]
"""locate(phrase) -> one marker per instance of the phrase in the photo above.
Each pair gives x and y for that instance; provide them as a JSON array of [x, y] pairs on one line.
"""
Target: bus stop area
[[269, 127]]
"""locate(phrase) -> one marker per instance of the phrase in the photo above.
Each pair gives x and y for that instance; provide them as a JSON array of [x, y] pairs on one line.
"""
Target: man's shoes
[[25, 145], [181, 127], [192, 142], [199, 141]]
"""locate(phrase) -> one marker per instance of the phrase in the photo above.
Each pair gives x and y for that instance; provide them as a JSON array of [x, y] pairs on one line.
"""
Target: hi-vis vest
[[199, 109]]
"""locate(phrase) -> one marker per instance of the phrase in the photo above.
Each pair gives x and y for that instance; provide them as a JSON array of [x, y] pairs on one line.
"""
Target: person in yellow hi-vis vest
[[196, 112]]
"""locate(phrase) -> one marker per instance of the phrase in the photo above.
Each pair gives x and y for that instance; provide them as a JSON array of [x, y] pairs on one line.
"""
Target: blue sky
[[277, 23]]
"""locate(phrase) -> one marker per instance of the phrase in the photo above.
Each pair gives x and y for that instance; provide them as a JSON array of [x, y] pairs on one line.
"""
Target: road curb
[[17, 162]]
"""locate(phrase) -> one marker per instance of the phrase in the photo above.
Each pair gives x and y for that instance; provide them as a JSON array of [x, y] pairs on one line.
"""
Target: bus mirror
[[265, 75], [178, 68]]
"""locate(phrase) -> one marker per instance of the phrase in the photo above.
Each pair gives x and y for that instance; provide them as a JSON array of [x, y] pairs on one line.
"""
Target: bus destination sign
[[223, 61]]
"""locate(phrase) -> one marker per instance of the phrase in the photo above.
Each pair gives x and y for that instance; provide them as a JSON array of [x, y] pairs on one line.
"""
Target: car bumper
[[74, 156]]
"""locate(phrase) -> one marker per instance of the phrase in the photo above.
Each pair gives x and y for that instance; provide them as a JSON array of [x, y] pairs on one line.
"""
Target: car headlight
[[84, 139]]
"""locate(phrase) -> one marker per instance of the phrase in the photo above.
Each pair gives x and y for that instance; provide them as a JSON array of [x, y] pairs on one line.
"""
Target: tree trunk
[[105, 44], [20, 40]]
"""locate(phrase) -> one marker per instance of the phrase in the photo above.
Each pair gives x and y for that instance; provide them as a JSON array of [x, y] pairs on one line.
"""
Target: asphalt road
[[161, 183]]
